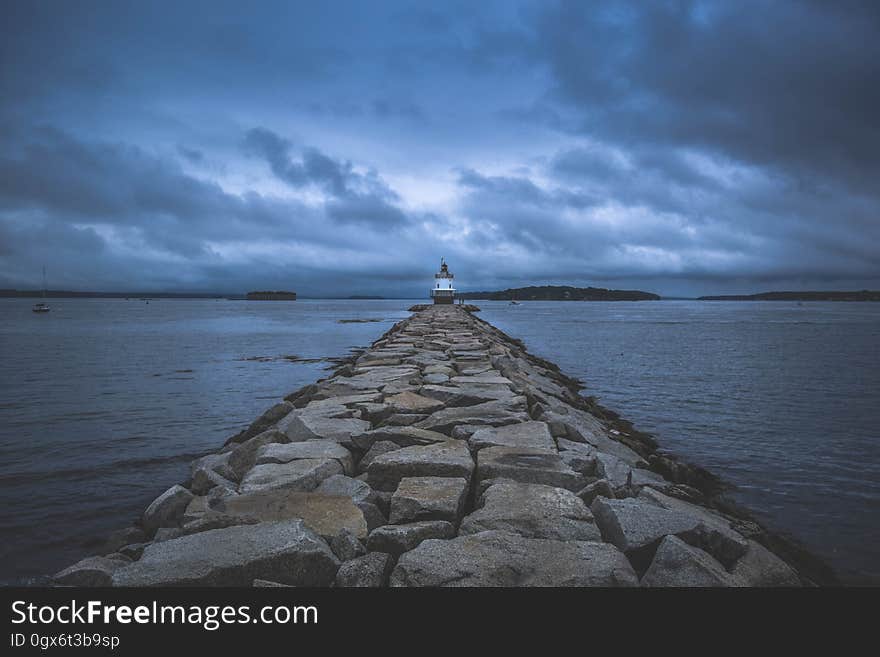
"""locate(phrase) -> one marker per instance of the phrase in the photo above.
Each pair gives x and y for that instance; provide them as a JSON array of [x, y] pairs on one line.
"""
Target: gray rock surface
[[428, 498], [397, 539], [525, 434], [301, 475], [527, 465], [496, 558], [371, 570], [284, 552], [447, 459], [533, 511], [678, 564], [167, 509], [91, 571]]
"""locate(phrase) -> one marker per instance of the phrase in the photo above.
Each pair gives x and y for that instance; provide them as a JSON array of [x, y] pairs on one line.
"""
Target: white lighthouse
[[443, 292]]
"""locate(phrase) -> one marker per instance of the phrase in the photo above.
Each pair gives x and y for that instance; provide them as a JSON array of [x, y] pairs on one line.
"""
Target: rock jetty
[[444, 455]]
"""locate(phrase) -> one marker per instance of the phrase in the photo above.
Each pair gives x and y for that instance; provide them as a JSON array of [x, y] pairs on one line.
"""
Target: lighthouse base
[[443, 299]]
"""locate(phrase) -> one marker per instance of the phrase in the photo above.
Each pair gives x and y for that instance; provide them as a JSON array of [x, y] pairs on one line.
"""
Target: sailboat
[[42, 307]]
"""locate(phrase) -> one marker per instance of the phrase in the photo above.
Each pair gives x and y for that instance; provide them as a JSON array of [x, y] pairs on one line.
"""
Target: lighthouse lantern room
[[443, 292]]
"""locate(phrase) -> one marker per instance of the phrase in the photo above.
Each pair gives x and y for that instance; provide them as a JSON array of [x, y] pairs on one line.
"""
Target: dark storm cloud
[[685, 146]]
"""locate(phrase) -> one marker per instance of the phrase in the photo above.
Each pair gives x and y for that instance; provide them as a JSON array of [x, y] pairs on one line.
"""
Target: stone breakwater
[[444, 455]]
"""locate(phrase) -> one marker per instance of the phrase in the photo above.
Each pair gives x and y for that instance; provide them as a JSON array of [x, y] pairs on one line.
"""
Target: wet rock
[[91, 571], [370, 570], [436, 379], [527, 465], [397, 539], [760, 567], [167, 509], [324, 514], [678, 564], [525, 434], [447, 459], [428, 498], [302, 475], [533, 511], [284, 552], [495, 558], [310, 449]]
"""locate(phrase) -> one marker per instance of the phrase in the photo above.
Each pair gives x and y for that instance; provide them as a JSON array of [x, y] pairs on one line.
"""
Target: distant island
[[861, 295], [560, 293], [277, 295]]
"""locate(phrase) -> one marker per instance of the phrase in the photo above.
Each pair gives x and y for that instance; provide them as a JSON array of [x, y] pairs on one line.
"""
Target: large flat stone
[[405, 436], [428, 498], [527, 465], [467, 395], [301, 475], [533, 511], [678, 564], [310, 449], [324, 514], [525, 434], [496, 558], [447, 459], [285, 552], [411, 402], [494, 413], [311, 427]]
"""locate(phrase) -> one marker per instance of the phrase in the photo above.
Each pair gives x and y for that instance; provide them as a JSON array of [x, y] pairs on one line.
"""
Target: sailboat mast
[[44, 281]]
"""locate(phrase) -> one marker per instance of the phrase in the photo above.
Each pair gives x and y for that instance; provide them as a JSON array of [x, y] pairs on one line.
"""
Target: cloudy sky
[[342, 148]]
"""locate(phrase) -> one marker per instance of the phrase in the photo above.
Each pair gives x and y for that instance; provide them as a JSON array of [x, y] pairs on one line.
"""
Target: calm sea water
[[104, 402], [780, 399]]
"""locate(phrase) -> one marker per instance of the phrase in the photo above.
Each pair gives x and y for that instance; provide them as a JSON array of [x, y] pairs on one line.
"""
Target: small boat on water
[[515, 303], [42, 307]]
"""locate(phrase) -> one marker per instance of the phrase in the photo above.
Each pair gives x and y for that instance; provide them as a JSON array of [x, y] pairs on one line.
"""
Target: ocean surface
[[103, 402]]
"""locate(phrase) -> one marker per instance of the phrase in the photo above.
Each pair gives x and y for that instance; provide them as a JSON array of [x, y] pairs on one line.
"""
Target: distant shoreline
[[861, 295]]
